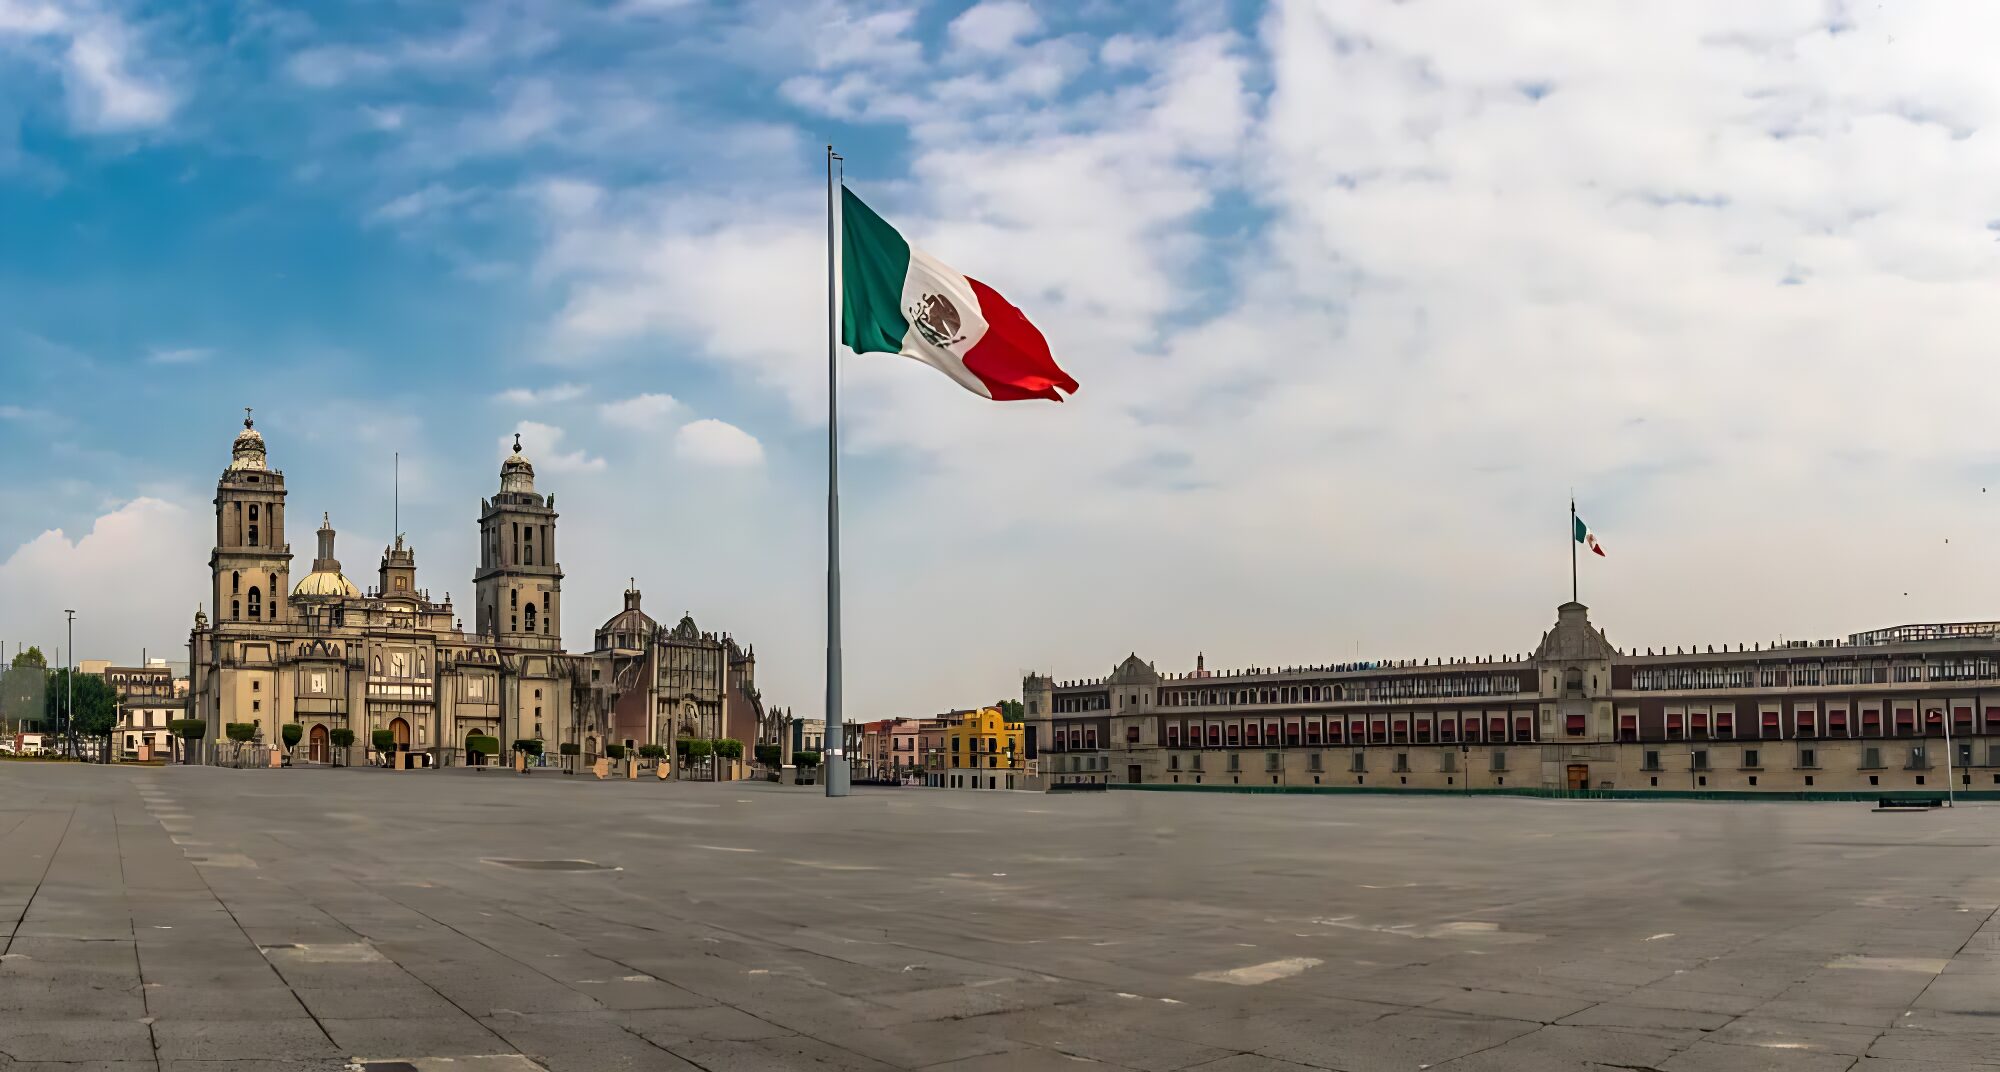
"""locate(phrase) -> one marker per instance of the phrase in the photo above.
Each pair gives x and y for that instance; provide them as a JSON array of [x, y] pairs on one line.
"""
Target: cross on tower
[[247, 422]]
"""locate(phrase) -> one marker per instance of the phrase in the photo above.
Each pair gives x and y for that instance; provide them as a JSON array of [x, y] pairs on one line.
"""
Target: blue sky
[[1357, 291]]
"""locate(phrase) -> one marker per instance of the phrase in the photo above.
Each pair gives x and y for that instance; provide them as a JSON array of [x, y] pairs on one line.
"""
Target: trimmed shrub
[[385, 740], [485, 746], [681, 745], [189, 729], [700, 748], [806, 760], [291, 732], [341, 738], [240, 732], [769, 755], [729, 748], [653, 751], [570, 748], [615, 751], [530, 745]]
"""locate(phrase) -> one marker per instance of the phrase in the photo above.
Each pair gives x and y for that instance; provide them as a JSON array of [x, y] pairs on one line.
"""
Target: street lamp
[[69, 683]]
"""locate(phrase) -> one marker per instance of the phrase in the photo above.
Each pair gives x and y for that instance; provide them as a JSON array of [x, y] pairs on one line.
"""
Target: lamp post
[[69, 684]]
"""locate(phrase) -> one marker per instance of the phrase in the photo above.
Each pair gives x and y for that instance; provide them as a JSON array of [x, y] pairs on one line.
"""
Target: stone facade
[[328, 656], [1871, 712]]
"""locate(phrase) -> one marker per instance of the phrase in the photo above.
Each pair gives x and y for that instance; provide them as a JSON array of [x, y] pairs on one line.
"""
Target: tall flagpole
[[1572, 551], [835, 766]]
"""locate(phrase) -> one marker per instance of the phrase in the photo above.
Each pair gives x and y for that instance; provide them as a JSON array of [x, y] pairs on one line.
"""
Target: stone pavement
[[252, 921]]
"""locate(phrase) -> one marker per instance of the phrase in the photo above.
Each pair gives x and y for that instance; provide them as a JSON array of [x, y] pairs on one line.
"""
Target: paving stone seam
[[47, 866], [282, 981], [519, 1048]]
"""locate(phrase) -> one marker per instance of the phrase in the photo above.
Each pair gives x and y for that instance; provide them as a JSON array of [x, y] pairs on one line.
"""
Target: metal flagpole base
[[835, 766]]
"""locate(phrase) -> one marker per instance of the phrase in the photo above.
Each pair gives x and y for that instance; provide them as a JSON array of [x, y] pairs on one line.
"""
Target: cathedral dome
[[517, 473], [325, 580], [324, 583], [248, 450]]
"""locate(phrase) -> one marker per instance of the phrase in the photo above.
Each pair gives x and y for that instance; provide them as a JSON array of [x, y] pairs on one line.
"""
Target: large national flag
[[900, 300], [1584, 536]]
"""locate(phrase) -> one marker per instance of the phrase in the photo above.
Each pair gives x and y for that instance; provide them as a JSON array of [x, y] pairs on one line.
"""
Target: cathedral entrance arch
[[316, 746]]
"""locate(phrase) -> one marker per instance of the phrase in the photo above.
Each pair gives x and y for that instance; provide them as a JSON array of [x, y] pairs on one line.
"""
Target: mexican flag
[[1584, 536], [899, 300]]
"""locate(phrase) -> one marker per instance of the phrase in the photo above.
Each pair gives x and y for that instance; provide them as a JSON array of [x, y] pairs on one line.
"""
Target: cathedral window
[[531, 617], [513, 597], [236, 608], [256, 603], [235, 583]]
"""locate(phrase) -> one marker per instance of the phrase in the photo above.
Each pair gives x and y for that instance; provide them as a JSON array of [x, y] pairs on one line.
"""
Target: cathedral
[[327, 655]]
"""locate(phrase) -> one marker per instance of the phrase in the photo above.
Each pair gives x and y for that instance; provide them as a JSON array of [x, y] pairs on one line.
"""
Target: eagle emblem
[[937, 320]]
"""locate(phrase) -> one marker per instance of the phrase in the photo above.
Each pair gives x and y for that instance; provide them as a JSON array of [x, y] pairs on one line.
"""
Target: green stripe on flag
[[874, 260]]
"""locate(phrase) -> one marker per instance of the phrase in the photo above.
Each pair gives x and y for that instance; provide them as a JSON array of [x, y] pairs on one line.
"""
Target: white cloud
[[542, 443], [110, 84], [431, 199], [105, 93], [642, 413], [543, 396], [179, 355], [993, 25], [716, 442], [134, 580]]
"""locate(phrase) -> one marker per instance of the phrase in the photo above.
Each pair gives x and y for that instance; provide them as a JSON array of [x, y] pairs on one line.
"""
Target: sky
[[1359, 294]]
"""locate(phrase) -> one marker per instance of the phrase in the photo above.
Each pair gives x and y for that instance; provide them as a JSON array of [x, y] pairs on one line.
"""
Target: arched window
[[256, 604], [236, 608], [531, 617], [528, 547], [513, 597], [235, 583], [273, 589]]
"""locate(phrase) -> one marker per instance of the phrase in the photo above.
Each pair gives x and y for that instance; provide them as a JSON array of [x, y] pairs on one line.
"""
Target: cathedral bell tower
[[518, 584], [251, 563]]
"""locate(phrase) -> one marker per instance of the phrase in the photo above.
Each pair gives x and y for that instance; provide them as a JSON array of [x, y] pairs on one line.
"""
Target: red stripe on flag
[[1013, 359]]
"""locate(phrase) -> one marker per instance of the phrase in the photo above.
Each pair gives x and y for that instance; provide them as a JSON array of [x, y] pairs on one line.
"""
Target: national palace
[[326, 655], [1892, 709]]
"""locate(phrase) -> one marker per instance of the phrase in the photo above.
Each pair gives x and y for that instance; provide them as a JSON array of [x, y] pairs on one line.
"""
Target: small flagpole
[[1572, 551], [836, 769]]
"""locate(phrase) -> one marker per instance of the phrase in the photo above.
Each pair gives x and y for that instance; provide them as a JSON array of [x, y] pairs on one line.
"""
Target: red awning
[[1673, 721], [1402, 726], [1497, 725], [1630, 722], [1524, 725], [1574, 722], [1770, 718]]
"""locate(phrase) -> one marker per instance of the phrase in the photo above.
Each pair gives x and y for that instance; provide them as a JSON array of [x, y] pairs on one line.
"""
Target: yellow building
[[983, 751]]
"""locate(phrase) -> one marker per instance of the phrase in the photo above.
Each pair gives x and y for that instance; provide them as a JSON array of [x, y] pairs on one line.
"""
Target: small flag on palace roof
[[1586, 537], [901, 300]]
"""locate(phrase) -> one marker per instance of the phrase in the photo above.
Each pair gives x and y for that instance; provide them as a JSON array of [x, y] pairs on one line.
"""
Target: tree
[[383, 740], [189, 730], [806, 760], [700, 748], [1012, 711], [290, 732], [96, 709], [32, 658], [483, 746], [729, 748], [769, 755], [342, 740], [240, 732], [23, 691]]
